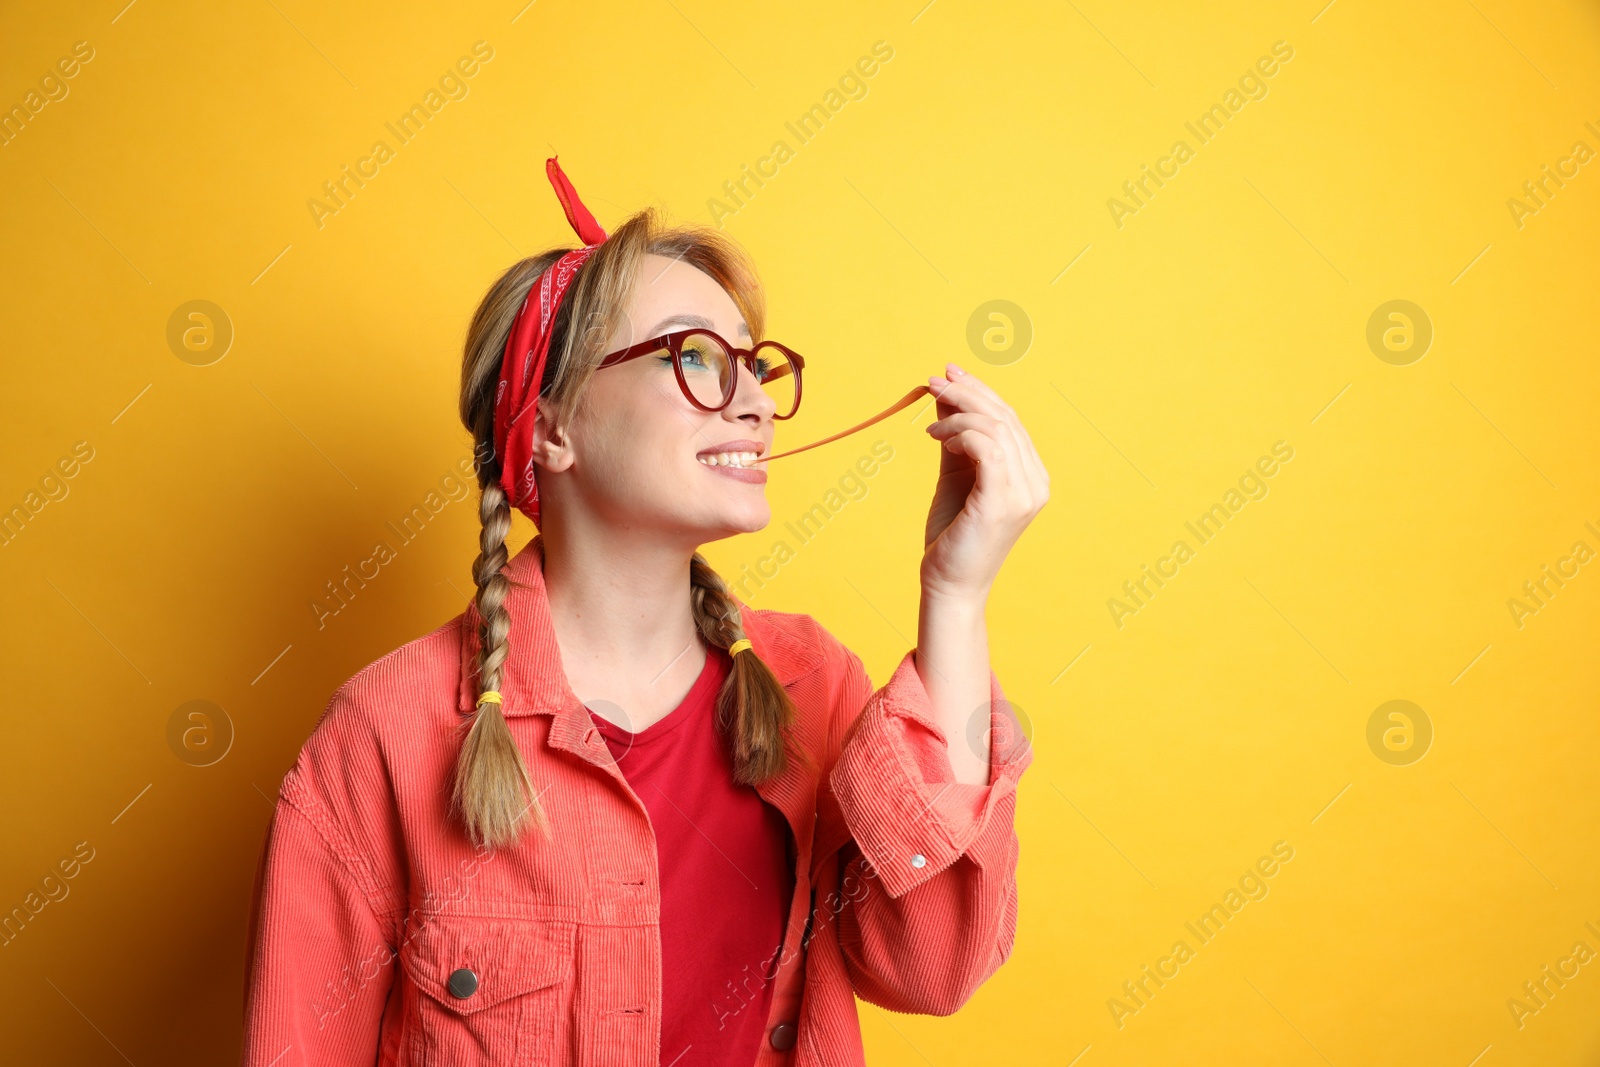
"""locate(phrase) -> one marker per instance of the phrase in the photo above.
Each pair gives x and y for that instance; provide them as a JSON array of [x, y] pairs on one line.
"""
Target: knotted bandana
[[528, 348]]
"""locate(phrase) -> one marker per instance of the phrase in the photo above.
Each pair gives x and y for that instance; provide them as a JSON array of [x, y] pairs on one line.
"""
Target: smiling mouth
[[744, 460]]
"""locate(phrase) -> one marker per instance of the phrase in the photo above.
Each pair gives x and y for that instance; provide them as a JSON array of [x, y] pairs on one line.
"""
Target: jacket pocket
[[490, 991]]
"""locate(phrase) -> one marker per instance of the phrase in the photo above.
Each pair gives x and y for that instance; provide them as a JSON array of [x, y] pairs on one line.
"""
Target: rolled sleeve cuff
[[898, 793]]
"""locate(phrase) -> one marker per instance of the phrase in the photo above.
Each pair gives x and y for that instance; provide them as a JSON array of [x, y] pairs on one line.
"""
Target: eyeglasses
[[706, 367]]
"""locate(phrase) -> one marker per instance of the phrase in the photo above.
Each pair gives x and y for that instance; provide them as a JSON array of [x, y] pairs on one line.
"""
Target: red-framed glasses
[[706, 367]]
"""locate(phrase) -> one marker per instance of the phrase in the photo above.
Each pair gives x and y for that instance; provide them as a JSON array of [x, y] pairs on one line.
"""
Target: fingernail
[[955, 371]]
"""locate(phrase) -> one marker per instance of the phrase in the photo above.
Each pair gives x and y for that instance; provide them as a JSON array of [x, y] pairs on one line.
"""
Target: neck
[[619, 600]]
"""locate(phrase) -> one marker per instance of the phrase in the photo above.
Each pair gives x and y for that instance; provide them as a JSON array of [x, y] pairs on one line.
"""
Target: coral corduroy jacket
[[373, 914]]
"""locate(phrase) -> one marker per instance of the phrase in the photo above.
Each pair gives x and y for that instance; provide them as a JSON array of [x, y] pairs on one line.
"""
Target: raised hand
[[991, 485]]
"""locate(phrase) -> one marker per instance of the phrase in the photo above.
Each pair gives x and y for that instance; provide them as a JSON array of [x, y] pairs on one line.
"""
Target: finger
[[968, 392], [967, 420], [965, 391], [1006, 433], [1038, 476], [1033, 466], [986, 452], [1013, 469], [957, 373], [991, 445], [996, 401]]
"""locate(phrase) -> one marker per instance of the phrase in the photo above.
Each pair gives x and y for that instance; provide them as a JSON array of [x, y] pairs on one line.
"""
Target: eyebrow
[[692, 320]]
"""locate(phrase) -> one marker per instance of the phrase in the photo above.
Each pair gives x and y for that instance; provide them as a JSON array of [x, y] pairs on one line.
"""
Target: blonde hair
[[494, 795]]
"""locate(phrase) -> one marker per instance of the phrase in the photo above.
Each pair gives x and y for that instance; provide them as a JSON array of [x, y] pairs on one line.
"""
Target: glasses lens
[[778, 378], [706, 368]]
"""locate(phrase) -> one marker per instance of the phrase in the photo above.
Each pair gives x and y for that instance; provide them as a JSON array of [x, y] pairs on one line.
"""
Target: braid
[[753, 710], [494, 793]]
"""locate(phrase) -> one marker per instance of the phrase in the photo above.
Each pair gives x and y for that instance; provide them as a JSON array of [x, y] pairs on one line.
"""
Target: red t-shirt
[[727, 876]]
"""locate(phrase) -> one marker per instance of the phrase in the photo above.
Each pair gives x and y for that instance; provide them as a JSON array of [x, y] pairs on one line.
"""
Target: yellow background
[[1229, 313]]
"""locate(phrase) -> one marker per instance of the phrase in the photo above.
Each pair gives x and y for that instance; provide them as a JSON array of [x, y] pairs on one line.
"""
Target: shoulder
[[379, 740], [420, 674], [392, 714], [826, 681], [796, 645]]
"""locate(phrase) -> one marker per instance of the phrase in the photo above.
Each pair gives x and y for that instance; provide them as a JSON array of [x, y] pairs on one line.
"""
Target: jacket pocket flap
[[501, 958]]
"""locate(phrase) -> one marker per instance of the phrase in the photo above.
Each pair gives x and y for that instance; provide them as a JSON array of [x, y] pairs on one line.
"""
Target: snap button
[[919, 860], [463, 983], [783, 1036]]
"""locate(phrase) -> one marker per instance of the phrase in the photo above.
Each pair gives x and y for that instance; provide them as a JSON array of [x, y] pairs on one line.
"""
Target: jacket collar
[[532, 679]]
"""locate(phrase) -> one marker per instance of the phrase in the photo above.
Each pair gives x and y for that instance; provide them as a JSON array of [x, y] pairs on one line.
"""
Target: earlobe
[[552, 442]]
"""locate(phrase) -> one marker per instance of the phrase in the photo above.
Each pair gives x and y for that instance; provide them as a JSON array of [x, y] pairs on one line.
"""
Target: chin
[[734, 521], [753, 519]]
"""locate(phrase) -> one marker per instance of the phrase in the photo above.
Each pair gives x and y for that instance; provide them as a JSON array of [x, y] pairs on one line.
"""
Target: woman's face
[[641, 453]]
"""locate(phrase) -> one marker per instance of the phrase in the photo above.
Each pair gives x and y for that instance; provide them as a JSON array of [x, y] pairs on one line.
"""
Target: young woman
[[609, 815]]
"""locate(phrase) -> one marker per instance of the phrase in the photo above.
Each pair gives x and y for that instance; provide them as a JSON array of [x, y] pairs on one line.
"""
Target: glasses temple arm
[[899, 405]]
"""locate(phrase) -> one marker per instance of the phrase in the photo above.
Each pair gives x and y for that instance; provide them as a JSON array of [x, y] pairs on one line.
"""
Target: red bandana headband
[[527, 349]]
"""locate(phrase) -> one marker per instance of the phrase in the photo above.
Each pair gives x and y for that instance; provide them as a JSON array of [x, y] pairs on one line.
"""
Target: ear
[[552, 441]]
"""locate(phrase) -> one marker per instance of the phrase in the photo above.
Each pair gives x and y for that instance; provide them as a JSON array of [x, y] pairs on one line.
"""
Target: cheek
[[644, 439], [660, 424]]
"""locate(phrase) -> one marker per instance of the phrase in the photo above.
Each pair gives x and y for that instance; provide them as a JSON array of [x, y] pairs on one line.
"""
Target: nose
[[750, 403]]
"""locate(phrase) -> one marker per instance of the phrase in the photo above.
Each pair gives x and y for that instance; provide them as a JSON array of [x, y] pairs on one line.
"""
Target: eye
[[693, 357], [763, 368]]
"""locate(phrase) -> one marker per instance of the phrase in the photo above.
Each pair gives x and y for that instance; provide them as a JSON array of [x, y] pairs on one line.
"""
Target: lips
[[744, 454], [736, 459], [728, 459]]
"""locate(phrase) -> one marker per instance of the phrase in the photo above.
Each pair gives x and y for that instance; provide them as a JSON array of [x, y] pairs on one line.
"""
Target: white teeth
[[729, 459]]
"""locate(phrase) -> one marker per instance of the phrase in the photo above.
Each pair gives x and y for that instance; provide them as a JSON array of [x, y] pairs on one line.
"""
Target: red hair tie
[[527, 349]]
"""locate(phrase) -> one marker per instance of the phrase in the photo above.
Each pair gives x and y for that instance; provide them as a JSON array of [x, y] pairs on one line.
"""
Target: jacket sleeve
[[935, 859], [319, 965]]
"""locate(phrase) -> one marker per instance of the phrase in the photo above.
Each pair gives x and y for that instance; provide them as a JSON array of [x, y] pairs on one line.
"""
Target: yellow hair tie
[[489, 697], [738, 646]]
